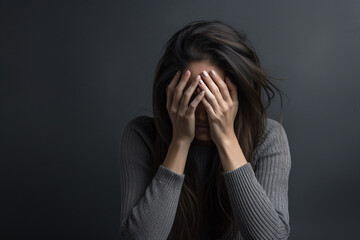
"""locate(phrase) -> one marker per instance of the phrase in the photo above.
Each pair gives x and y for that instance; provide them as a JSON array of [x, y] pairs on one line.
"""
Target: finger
[[222, 85], [208, 107], [175, 79], [198, 90], [194, 103], [210, 83], [195, 94], [170, 89], [187, 95], [179, 90], [209, 96], [232, 89]]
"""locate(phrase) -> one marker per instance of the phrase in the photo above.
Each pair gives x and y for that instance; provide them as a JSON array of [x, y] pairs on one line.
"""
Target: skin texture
[[196, 68], [218, 109], [181, 111]]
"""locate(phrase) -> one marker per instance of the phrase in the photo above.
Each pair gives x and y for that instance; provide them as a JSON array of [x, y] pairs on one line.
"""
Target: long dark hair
[[231, 51]]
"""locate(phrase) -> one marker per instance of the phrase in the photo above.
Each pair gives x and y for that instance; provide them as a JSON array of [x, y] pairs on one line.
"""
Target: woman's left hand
[[221, 104]]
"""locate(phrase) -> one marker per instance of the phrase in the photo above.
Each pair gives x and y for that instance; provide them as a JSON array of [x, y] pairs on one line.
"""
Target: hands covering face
[[220, 103]]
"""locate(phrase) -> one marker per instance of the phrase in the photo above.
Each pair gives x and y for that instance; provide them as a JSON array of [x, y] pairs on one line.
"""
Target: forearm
[[176, 156], [253, 210], [230, 153], [153, 216]]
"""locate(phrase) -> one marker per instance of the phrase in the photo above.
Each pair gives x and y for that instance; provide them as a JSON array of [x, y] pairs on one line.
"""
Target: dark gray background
[[74, 73]]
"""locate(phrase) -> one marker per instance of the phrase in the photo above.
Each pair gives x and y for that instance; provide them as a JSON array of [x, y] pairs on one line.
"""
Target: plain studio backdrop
[[74, 73]]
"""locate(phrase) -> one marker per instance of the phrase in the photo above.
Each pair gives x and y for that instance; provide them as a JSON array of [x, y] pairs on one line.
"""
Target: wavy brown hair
[[230, 50]]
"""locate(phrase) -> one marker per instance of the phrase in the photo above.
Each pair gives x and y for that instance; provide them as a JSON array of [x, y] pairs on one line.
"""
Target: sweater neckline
[[198, 142]]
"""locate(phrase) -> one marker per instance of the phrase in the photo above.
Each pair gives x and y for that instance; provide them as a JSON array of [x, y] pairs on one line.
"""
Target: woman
[[209, 164]]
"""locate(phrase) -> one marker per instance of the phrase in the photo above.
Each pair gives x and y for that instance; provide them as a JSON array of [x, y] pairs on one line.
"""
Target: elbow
[[283, 232], [123, 233], [282, 229], [287, 232]]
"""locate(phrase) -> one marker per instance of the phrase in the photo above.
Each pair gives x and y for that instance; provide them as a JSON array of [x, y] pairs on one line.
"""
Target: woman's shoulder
[[272, 125], [144, 127], [141, 122], [273, 128], [273, 138]]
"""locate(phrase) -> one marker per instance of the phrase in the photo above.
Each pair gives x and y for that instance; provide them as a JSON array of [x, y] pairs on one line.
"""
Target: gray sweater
[[259, 199]]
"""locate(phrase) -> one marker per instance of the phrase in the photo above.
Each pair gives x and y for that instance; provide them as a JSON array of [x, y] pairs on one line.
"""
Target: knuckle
[[222, 84], [187, 93], [172, 110], [178, 90], [168, 88]]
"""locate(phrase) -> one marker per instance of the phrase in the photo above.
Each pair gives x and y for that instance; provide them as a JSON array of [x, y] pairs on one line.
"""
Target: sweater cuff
[[169, 177], [245, 173]]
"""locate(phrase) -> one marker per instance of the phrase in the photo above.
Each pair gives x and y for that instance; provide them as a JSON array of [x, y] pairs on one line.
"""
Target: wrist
[[227, 141], [176, 156], [183, 144]]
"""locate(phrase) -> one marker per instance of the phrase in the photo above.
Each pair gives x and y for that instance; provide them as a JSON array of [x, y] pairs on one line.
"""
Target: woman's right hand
[[182, 114]]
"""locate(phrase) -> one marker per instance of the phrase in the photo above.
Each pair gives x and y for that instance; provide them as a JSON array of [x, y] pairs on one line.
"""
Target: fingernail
[[212, 72], [201, 81], [205, 73]]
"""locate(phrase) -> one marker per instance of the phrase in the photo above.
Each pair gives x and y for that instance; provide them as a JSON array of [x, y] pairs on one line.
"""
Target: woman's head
[[217, 45], [196, 68], [199, 46]]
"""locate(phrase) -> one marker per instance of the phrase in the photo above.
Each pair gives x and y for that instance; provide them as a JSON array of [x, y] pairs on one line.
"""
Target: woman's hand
[[221, 105], [182, 114]]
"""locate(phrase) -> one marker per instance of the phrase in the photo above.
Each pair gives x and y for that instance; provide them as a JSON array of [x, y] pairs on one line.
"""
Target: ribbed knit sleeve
[[259, 199], [147, 206]]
